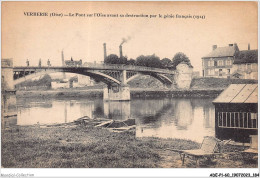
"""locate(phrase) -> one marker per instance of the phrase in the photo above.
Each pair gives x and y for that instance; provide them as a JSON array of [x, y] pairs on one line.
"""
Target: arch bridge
[[109, 74], [115, 76]]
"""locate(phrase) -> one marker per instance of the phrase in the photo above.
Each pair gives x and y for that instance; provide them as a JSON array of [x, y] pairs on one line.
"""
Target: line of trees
[[150, 61]]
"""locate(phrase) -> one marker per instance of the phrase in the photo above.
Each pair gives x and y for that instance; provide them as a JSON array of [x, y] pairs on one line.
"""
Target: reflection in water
[[166, 118], [117, 110], [184, 120], [183, 114]]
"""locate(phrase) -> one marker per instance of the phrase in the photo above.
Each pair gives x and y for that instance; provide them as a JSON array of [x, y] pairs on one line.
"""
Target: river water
[[164, 118]]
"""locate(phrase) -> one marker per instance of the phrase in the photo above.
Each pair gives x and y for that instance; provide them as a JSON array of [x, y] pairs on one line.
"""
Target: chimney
[[62, 59], [63, 64], [105, 51], [214, 47], [248, 46], [236, 47], [230, 45], [120, 51]]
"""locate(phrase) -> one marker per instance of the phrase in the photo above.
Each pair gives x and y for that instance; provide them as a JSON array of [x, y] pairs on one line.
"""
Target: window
[[228, 71], [220, 72], [212, 72], [228, 62], [253, 116], [209, 71], [242, 67], [210, 63], [220, 63], [244, 120]]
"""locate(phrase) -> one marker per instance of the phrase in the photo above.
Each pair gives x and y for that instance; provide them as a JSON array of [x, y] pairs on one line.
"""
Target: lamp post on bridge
[[40, 63], [48, 63], [27, 63]]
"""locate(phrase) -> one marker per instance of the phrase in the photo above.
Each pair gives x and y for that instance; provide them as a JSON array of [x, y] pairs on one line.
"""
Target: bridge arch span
[[101, 76], [93, 74], [133, 77], [31, 76], [162, 78]]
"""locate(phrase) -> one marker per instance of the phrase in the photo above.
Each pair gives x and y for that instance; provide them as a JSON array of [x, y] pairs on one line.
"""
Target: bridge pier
[[8, 94], [116, 93], [184, 76], [120, 92]]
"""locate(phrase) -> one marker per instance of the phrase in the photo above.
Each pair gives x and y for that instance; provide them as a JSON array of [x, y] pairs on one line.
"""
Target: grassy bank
[[217, 83], [90, 147], [61, 93], [144, 87], [135, 93]]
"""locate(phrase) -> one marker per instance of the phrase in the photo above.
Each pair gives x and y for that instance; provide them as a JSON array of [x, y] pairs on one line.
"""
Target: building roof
[[228, 51], [239, 93], [246, 56]]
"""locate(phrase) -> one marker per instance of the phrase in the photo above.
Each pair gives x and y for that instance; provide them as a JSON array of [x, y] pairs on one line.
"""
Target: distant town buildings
[[219, 61], [72, 63], [245, 65], [74, 82], [84, 81], [229, 62], [63, 84]]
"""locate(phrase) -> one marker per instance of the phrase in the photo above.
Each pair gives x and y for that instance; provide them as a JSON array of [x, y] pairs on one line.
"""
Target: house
[[236, 112], [72, 63], [245, 65], [85, 81], [218, 63], [61, 84]]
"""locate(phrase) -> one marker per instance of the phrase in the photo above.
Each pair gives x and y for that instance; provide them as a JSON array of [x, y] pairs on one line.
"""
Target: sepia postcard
[[129, 84]]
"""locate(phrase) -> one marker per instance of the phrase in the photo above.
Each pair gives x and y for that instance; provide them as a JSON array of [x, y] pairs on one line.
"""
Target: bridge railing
[[129, 67], [105, 67]]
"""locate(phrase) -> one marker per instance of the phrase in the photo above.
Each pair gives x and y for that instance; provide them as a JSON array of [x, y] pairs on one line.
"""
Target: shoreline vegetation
[[81, 144], [143, 87], [135, 93]]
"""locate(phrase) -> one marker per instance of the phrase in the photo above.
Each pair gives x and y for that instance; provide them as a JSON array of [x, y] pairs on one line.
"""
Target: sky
[[34, 37]]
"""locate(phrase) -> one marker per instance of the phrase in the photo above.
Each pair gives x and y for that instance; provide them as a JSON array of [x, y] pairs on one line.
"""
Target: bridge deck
[[98, 67]]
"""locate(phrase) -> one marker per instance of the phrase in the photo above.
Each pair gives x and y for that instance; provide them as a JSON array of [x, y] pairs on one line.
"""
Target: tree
[[154, 61], [166, 63], [114, 59], [130, 62], [141, 61], [178, 58], [122, 60], [43, 81], [149, 61], [111, 59]]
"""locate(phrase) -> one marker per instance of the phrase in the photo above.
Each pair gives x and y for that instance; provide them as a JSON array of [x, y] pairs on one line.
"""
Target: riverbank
[[61, 93], [86, 146], [135, 93], [143, 87]]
